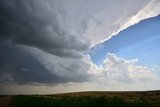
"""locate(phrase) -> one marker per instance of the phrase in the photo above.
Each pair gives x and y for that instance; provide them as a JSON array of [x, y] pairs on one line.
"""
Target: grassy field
[[89, 99]]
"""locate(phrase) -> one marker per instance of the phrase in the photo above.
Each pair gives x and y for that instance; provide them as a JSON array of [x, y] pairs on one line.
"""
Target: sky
[[57, 46], [133, 42]]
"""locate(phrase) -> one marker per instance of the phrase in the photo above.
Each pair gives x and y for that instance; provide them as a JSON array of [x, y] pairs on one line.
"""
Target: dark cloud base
[[24, 68], [36, 23]]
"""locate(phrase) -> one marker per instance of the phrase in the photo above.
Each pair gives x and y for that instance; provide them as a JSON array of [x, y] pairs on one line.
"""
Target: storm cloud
[[31, 31], [46, 43], [37, 24]]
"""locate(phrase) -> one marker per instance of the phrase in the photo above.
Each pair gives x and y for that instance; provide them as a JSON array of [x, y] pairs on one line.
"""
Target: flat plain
[[85, 99]]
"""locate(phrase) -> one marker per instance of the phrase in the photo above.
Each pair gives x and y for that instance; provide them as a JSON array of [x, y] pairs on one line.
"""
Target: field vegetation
[[89, 99]]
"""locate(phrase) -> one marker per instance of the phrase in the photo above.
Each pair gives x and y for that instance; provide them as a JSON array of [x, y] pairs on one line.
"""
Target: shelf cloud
[[46, 41]]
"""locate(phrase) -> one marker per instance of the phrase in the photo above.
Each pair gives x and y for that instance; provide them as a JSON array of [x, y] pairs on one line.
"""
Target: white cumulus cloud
[[120, 70]]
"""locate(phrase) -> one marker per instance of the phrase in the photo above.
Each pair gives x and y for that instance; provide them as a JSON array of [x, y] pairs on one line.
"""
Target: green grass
[[102, 101]]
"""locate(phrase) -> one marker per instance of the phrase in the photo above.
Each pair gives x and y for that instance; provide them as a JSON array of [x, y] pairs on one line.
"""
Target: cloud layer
[[121, 70], [35, 47], [38, 24], [149, 10], [44, 42], [116, 74]]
